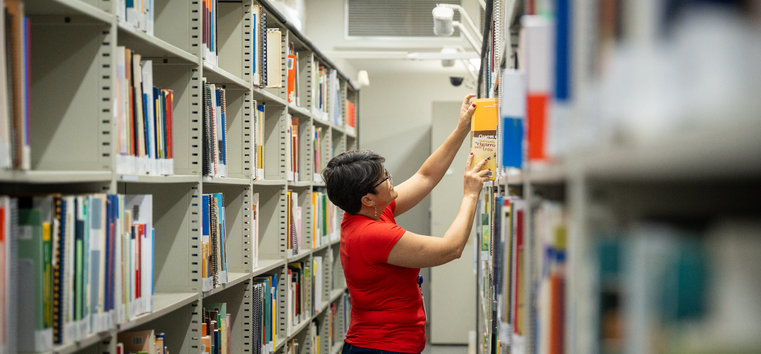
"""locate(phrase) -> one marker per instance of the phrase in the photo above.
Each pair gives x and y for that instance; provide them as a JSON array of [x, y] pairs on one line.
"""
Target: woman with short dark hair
[[381, 260]]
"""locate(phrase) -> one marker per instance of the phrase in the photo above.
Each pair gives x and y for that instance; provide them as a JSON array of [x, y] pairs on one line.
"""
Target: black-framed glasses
[[388, 176]]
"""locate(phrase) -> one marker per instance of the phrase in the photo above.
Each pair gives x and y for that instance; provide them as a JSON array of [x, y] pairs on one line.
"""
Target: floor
[[445, 349]]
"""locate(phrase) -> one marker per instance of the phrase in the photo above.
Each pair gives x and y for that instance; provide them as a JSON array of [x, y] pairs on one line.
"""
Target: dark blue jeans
[[350, 349]]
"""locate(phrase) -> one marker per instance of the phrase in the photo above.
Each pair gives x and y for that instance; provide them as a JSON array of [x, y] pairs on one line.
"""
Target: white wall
[[395, 121]]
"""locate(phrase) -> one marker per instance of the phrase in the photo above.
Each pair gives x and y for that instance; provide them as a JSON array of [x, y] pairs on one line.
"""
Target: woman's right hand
[[474, 177]]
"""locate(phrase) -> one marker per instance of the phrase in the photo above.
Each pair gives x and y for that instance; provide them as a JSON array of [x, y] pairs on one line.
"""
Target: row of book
[[209, 31], [325, 222], [214, 130], [292, 149], [15, 148], [141, 342], [144, 115], [213, 241], [300, 285], [216, 329], [678, 285], [73, 265], [317, 163], [265, 314], [138, 13], [294, 228]]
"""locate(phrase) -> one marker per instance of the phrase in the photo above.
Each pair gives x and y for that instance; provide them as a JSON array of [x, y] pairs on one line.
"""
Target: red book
[[169, 126]]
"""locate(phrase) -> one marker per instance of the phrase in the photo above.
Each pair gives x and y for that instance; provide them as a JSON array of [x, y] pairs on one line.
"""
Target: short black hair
[[351, 175]]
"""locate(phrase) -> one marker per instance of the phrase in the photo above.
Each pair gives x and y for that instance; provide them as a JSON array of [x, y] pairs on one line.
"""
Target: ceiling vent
[[394, 18]]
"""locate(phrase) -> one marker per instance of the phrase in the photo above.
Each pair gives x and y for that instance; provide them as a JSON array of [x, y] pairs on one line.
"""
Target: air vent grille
[[394, 18]]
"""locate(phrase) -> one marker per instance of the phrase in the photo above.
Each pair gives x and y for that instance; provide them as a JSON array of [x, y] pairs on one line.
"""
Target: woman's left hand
[[466, 113]]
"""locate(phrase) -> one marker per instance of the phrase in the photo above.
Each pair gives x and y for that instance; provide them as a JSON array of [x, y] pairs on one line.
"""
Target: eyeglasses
[[388, 177]]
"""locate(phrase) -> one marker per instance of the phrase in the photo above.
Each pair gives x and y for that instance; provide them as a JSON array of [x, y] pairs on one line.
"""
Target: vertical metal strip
[[194, 217], [106, 83], [247, 230], [247, 133], [195, 122]]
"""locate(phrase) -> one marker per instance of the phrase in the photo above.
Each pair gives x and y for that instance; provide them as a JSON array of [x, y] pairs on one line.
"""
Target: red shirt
[[386, 304]]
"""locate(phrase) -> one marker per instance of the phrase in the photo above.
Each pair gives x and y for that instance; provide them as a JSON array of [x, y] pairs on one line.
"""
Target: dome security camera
[[456, 81]]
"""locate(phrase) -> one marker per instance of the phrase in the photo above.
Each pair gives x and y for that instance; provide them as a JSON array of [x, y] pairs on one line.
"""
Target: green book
[[34, 326]]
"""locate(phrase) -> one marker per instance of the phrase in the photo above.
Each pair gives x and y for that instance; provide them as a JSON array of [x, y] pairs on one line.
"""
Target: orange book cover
[[483, 133], [291, 61]]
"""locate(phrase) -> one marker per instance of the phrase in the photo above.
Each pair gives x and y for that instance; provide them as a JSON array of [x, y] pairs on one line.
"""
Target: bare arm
[[413, 190], [418, 251]]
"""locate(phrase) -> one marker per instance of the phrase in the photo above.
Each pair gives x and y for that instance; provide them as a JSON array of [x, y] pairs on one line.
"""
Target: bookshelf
[[74, 137], [637, 190]]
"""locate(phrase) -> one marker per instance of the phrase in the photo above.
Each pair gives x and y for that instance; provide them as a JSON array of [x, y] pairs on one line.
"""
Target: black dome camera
[[456, 81]]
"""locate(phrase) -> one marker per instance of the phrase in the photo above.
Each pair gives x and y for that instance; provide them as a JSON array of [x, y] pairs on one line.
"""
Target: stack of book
[[319, 91], [259, 38], [15, 149], [138, 13], [216, 334], [294, 224], [324, 219], [317, 150], [292, 149], [265, 305], [258, 126], [209, 31], [213, 242], [214, 131], [299, 289], [88, 260], [144, 116]]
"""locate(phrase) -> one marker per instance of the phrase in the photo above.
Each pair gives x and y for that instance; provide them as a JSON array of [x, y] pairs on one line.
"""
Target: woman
[[381, 260]]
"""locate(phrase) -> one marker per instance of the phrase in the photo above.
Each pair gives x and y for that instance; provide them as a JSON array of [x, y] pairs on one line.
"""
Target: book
[[35, 333], [483, 134], [18, 49], [536, 39], [512, 107], [274, 60], [291, 62], [138, 341]]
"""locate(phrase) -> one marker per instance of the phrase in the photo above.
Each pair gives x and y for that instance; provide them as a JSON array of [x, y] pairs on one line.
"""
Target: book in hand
[[483, 133]]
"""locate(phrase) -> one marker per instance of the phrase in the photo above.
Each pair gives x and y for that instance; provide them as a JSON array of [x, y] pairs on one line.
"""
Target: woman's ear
[[366, 200]]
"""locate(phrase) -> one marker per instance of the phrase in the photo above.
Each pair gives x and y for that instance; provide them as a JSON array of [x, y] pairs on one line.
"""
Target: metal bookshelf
[[73, 134]]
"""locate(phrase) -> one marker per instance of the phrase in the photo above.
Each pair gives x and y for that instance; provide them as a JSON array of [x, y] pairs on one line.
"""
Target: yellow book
[[483, 133]]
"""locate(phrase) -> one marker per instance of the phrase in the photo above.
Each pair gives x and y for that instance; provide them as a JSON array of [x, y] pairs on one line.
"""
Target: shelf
[[158, 179], [266, 265], [300, 184], [217, 75], [67, 7], [18, 176], [149, 46], [334, 242], [335, 294], [261, 95], [296, 329], [337, 347], [728, 151], [339, 129], [81, 344], [320, 122], [547, 173], [233, 279], [162, 305], [269, 182], [226, 180], [298, 257], [293, 109], [513, 178]]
